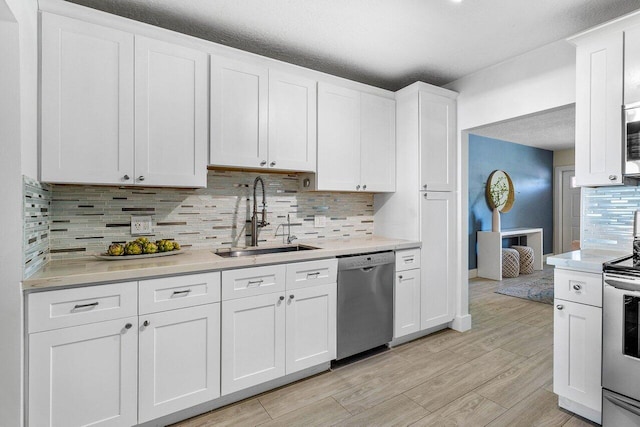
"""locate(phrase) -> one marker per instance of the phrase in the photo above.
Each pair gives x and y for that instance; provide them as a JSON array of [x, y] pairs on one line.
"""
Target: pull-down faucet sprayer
[[255, 223]]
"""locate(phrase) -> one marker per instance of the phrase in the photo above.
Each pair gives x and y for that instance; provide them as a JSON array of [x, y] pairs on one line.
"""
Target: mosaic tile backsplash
[[607, 217], [37, 223], [87, 219]]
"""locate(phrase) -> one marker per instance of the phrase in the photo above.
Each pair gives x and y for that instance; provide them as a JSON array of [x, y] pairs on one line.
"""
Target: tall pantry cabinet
[[424, 206]]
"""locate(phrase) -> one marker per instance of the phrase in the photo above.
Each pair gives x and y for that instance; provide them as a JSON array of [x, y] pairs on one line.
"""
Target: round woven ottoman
[[526, 259], [510, 263]]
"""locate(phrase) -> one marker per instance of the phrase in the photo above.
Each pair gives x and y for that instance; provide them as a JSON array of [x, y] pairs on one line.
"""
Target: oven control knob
[[559, 306]]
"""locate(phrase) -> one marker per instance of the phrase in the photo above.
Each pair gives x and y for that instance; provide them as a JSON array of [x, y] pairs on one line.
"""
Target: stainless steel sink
[[262, 251]]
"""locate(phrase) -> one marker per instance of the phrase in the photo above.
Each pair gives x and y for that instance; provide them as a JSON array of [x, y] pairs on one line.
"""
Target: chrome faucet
[[255, 223], [290, 237]]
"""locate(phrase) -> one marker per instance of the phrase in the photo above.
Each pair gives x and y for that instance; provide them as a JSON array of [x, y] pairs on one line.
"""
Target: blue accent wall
[[530, 169]]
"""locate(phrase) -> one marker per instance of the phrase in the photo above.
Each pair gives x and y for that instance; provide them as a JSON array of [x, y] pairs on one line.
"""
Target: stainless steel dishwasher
[[365, 302]]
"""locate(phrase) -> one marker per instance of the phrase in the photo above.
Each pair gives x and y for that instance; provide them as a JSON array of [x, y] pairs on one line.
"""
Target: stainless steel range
[[621, 343]]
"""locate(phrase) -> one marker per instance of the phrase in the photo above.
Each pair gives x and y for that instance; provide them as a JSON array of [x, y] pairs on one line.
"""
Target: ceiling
[[389, 43], [551, 129]]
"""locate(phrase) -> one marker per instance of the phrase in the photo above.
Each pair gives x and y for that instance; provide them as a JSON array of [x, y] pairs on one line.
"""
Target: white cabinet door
[[239, 106], [179, 360], [632, 65], [406, 312], [438, 260], [292, 122], [87, 103], [377, 143], [577, 353], [84, 375], [338, 138], [437, 142], [253, 341], [599, 73], [171, 114], [311, 327]]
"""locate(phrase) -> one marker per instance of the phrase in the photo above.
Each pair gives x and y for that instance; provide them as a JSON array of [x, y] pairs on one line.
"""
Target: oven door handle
[[623, 403], [618, 284]]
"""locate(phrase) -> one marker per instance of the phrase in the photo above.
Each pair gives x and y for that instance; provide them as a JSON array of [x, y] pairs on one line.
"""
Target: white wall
[[530, 83], [18, 155]]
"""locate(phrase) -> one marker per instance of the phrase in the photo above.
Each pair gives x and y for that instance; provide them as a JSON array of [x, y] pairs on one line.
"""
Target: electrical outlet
[[319, 221], [141, 225]]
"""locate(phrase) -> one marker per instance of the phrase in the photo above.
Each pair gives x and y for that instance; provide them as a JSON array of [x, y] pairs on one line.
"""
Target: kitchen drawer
[[312, 273], [178, 292], [578, 286], [78, 306], [407, 259], [246, 282]]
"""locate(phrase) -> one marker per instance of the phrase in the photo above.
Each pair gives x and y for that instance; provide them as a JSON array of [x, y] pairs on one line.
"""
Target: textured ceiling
[[552, 129], [385, 43]]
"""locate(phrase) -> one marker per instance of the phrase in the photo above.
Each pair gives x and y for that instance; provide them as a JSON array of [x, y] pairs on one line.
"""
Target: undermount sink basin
[[262, 251]]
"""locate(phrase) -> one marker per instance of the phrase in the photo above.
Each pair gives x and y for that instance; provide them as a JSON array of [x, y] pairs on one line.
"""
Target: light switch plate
[[141, 225], [319, 221]]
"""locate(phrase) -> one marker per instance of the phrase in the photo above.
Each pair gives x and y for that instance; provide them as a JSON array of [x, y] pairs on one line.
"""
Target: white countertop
[[89, 270], [589, 260]]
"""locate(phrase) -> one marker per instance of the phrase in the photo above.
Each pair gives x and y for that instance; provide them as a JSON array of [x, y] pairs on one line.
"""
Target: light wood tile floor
[[497, 374]]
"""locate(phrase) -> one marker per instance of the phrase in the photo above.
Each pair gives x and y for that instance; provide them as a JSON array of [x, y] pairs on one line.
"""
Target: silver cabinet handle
[[613, 177], [128, 326], [292, 296], [424, 186], [255, 282], [281, 298], [364, 187], [272, 164], [262, 163], [126, 178], [577, 287], [141, 178], [146, 323], [186, 291], [560, 306], [313, 275], [93, 304], [358, 187], [426, 195], [400, 277]]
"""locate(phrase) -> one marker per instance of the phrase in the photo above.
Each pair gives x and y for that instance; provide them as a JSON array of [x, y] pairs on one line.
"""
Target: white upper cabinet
[[90, 131], [292, 122], [599, 90], [261, 118], [171, 123], [239, 92], [87, 103], [377, 143], [356, 141], [632, 66], [338, 138], [437, 142]]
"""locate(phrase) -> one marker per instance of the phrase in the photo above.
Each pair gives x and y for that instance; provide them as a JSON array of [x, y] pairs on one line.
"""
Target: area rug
[[538, 289]]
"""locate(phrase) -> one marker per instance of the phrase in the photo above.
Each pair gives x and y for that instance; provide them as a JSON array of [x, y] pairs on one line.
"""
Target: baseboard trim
[[577, 408], [405, 339], [461, 323], [473, 273]]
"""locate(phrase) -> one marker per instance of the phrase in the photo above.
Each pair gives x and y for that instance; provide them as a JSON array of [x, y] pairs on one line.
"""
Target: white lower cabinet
[[84, 375], [406, 316], [179, 360], [577, 353], [253, 341], [311, 327]]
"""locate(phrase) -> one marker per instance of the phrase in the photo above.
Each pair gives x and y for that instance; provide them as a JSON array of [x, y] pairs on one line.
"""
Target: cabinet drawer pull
[[255, 282], [262, 163], [186, 291], [560, 306], [577, 287], [128, 326], [281, 298], [146, 323], [613, 177], [313, 275], [400, 277], [93, 304], [291, 296], [273, 164], [408, 259]]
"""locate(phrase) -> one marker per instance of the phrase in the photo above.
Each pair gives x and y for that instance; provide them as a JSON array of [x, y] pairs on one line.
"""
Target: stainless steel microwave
[[632, 140]]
